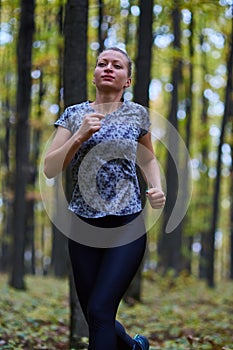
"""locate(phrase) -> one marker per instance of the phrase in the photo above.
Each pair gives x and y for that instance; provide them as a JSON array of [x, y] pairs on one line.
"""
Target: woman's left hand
[[156, 197]]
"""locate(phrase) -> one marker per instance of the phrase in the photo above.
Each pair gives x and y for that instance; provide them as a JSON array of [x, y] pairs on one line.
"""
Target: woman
[[106, 195]]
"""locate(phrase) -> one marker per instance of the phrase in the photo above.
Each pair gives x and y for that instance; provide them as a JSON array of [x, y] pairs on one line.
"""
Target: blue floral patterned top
[[104, 169]]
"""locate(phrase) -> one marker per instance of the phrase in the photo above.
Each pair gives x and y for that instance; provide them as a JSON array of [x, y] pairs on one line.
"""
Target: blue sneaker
[[142, 341]]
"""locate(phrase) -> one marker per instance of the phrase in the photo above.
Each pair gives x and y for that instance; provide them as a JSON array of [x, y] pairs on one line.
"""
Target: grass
[[180, 313]]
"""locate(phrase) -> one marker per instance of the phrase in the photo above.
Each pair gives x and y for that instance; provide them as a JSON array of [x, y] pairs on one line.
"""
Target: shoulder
[[72, 116], [136, 106], [77, 107], [140, 115]]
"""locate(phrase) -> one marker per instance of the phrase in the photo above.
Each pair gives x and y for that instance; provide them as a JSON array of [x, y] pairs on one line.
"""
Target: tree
[[188, 238], [59, 252], [75, 87], [169, 247], [143, 60], [231, 209], [141, 95], [216, 195], [205, 183], [24, 59], [6, 187], [100, 36]]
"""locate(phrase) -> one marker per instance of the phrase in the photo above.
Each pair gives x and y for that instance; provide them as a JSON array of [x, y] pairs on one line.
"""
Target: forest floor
[[174, 314]]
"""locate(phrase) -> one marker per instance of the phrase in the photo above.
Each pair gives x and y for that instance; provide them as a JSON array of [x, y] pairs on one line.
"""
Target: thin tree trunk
[[143, 60], [75, 87], [60, 261], [100, 35], [205, 183], [215, 215], [231, 207], [32, 177], [188, 239], [141, 88], [24, 57], [169, 247], [6, 189]]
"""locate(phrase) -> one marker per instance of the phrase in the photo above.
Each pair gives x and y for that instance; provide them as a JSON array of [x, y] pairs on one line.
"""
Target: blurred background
[[183, 56]]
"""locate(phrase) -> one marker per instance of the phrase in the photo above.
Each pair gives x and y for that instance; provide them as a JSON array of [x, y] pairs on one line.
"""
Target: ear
[[127, 83]]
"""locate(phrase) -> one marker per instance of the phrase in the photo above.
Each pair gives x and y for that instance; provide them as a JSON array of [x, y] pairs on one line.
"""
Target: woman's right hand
[[90, 124], [64, 145]]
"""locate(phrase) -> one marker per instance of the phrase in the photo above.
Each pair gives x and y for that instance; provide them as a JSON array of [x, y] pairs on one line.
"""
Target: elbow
[[48, 174], [47, 170]]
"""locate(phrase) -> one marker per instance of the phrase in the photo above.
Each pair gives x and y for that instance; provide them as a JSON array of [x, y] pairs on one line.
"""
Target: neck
[[107, 103], [108, 98]]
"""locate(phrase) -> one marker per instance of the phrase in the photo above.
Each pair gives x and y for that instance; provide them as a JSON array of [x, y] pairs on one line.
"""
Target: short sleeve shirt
[[104, 168]]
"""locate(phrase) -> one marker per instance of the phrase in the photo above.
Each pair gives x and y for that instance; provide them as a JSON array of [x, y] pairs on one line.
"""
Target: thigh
[[116, 271], [85, 263]]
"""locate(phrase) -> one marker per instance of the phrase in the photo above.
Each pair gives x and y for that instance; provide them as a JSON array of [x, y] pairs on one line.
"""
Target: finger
[[153, 192], [98, 116], [92, 116], [150, 190], [95, 120]]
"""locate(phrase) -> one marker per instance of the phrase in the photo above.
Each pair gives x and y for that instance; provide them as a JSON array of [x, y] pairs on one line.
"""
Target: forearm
[[151, 172], [57, 160], [65, 145]]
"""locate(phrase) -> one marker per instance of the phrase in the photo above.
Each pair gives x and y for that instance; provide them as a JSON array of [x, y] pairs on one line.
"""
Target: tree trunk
[[143, 60], [205, 183], [169, 247], [77, 323], [231, 206], [60, 260], [5, 257], [188, 239], [100, 34], [226, 115], [32, 177], [24, 56], [75, 87], [75, 58], [141, 88]]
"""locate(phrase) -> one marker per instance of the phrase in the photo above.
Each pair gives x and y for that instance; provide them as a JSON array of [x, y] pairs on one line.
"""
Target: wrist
[[77, 141]]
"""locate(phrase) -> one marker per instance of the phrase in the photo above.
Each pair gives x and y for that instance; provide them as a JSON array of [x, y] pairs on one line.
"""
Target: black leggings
[[102, 276]]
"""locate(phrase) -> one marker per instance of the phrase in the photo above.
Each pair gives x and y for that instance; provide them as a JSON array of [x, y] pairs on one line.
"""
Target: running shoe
[[142, 341]]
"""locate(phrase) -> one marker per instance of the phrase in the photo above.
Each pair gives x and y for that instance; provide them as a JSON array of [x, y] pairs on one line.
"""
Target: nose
[[108, 67]]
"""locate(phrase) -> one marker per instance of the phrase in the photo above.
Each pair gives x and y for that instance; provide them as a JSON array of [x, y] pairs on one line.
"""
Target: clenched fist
[[156, 198], [90, 124]]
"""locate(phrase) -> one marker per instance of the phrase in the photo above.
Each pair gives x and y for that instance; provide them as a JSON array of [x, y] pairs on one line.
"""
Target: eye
[[101, 64], [117, 66]]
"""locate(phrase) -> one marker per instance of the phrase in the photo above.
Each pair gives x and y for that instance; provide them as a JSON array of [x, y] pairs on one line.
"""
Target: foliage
[[207, 23], [174, 314]]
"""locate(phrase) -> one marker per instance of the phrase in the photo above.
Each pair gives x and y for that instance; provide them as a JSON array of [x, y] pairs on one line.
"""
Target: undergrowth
[[180, 313]]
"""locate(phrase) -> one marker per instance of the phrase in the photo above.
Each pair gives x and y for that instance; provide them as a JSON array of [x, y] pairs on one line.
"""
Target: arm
[[65, 145], [148, 163]]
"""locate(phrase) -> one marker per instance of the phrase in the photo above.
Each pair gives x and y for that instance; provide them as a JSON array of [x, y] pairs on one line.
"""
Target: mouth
[[107, 77]]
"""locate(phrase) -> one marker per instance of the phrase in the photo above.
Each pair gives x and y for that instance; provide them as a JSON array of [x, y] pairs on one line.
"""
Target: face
[[111, 71]]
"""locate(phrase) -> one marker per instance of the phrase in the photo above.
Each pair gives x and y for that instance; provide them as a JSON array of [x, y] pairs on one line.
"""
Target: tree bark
[[60, 261], [75, 87], [215, 215], [143, 60], [141, 88], [169, 247], [6, 189], [231, 206], [188, 239], [205, 183], [24, 57]]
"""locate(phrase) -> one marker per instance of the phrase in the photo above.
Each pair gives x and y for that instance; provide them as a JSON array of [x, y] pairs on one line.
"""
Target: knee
[[98, 315]]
